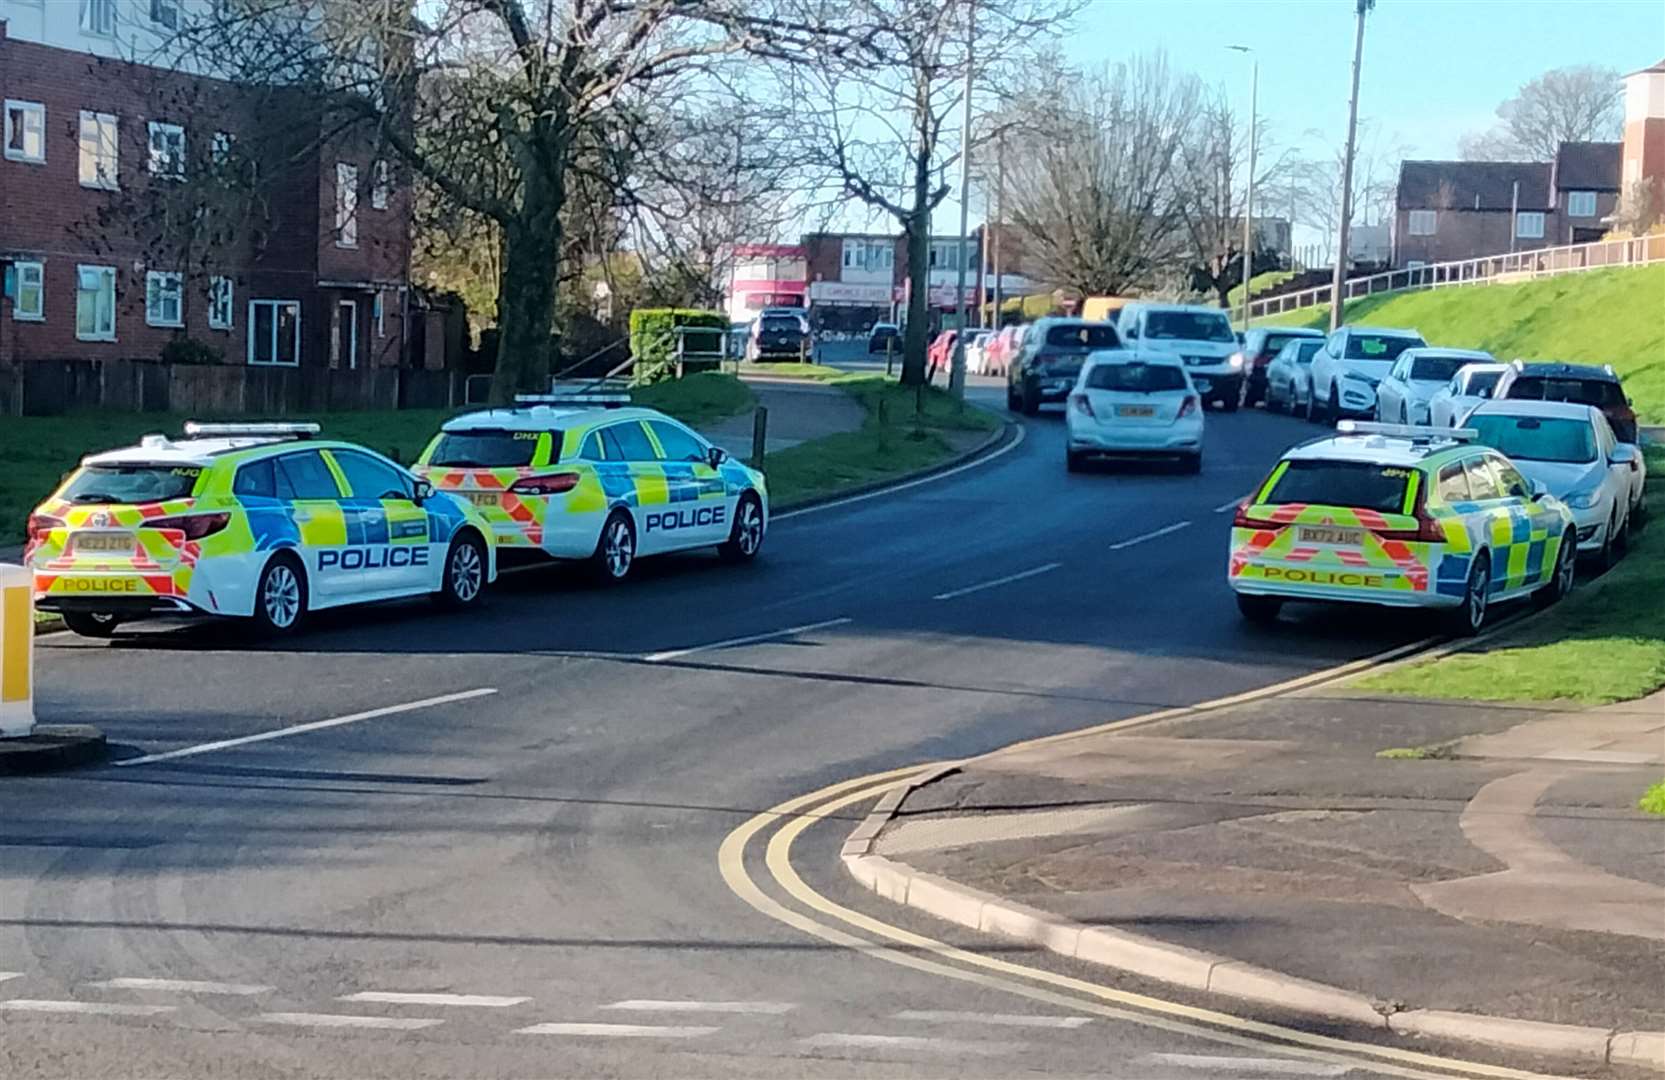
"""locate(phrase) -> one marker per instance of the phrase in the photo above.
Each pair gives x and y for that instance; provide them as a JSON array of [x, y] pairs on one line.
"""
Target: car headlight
[[1583, 500], [1235, 359]]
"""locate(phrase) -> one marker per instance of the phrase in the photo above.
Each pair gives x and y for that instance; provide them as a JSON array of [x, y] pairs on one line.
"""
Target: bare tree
[[1314, 183], [1569, 104]]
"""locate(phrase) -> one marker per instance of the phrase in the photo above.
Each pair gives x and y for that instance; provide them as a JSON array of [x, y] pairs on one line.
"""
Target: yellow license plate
[[482, 498], [1135, 410], [1312, 534], [104, 541]]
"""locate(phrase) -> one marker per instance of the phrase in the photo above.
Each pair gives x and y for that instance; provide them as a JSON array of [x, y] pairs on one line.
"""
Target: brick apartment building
[[142, 205]]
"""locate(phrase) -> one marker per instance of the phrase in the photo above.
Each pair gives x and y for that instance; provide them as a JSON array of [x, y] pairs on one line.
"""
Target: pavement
[[1510, 876], [798, 412]]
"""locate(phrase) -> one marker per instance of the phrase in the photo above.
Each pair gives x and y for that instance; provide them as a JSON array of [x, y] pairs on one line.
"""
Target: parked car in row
[[1047, 365], [884, 337], [780, 334], [1352, 364], [1289, 377], [1260, 346], [1405, 395], [1003, 346], [976, 352], [1468, 388], [1584, 384]]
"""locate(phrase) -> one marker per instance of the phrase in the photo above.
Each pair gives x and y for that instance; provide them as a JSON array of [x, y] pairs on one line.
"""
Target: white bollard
[[17, 652]]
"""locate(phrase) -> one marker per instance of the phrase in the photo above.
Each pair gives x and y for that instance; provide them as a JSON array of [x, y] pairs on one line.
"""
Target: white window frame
[[98, 18], [19, 312], [38, 129], [165, 13], [274, 305], [170, 166], [380, 313], [1522, 217], [346, 204], [105, 273], [381, 184], [106, 150], [1584, 198], [161, 286], [1430, 218], [346, 310], [222, 293]]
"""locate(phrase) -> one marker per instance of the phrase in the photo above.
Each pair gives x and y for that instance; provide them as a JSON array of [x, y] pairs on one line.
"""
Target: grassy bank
[[1599, 317], [39, 450], [1604, 643]]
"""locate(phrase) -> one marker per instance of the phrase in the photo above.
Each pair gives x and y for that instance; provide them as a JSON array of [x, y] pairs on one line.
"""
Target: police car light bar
[[1416, 432], [195, 429], [575, 397]]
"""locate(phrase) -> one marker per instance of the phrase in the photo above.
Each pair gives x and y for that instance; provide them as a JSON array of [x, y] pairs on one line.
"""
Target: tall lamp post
[[1340, 272], [956, 371], [1249, 196]]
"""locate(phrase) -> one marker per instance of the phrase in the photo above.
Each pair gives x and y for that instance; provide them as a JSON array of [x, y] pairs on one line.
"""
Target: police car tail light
[[545, 485], [41, 524], [1186, 406], [1244, 520], [1081, 404], [194, 526]]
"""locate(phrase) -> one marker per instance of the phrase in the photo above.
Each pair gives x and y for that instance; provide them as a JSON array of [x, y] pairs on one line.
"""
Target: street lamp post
[[1340, 272], [1249, 196], [956, 371]]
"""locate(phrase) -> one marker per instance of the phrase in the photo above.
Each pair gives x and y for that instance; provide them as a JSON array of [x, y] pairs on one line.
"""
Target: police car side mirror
[[422, 493], [716, 456]]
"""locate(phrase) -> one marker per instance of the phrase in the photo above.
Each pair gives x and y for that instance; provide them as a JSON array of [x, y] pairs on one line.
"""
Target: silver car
[[1289, 377], [1405, 394], [1468, 389]]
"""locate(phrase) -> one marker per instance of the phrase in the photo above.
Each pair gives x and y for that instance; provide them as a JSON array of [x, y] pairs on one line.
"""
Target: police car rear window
[[1357, 485], [487, 449], [131, 483]]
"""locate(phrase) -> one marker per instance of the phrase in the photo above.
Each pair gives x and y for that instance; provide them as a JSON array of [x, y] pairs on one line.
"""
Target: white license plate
[[1313, 534], [1135, 410], [121, 542]]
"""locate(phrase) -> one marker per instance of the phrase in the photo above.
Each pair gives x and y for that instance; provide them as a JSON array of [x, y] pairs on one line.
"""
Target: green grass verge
[[894, 441], [1604, 643], [1599, 317], [1434, 752], [39, 450], [811, 372], [1258, 284], [1653, 800]]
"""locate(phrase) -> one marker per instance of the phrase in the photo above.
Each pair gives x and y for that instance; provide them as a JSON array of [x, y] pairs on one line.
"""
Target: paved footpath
[[1510, 875], [798, 412]]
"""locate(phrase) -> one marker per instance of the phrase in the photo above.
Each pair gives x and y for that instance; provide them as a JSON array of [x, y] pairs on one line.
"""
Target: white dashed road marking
[[618, 1031], [1243, 1066], [478, 1001], [767, 1008], [184, 986], [848, 1040], [339, 1020], [101, 1008], [1008, 579], [934, 1016], [790, 631], [1232, 505], [1152, 535]]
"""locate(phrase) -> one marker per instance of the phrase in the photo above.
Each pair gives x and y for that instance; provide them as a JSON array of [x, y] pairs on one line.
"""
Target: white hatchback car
[[1350, 366], [1468, 389], [1404, 396], [1128, 403]]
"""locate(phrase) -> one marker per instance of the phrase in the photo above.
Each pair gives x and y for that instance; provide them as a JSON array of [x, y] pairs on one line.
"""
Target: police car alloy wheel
[[465, 574], [746, 539], [280, 596], [1467, 619], [1566, 570], [615, 552], [93, 624]]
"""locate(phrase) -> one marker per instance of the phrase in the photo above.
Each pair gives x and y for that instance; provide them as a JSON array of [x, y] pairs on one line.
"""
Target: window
[[220, 291], [1513, 484], [29, 305], [167, 150], [591, 450], [164, 295], [26, 131], [381, 184], [1533, 438], [1380, 346], [1581, 204], [1422, 222], [1182, 325], [678, 444], [1482, 485], [98, 17], [1354, 484], [275, 332], [1453, 484], [165, 13], [1135, 378], [308, 477], [486, 448], [98, 150], [628, 442], [379, 312], [346, 205], [95, 303], [107, 484], [219, 147], [368, 478], [258, 479], [1437, 368], [1529, 225]]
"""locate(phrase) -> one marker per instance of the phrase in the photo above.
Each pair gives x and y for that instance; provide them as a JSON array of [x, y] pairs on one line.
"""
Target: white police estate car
[[586, 476], [253, 520]]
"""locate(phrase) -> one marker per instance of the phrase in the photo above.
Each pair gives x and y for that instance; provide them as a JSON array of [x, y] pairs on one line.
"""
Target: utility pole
[[1249, 196], [999, 217], [1340, 275], [956, 373]]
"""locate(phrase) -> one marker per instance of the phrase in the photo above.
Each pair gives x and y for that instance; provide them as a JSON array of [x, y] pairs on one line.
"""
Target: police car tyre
[[1467, 619], [615, 550], [280, 596], [93, 624], [464, 574], [1259, 609], [1566, 569], [745, 538]]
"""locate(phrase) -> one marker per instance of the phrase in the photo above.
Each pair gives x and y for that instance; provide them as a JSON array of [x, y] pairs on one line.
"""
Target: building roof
[[1473, 185], [1585, 166], [1659, 67]]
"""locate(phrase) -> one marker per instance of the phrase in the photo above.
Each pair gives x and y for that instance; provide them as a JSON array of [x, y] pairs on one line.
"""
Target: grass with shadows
[[1653, 800]]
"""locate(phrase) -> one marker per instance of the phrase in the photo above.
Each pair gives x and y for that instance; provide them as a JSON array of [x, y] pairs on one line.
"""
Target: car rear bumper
[[1177, 438], [126, 606]]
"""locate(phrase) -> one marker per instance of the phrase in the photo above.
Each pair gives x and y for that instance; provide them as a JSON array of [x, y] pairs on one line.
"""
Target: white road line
[[1239, 1066], [933, 478], [101, 1008], [316, 725], [618, 1031], [673, 654], [184, 986], [1152, 535], [836, 1039], [1008, 579], [477, 1001], [1232, 505], [341, 1020], [938, 1016], [768, 1008]]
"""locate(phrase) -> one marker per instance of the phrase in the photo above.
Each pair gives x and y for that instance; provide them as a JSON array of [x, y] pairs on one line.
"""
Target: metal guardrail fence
[[1490, 270]]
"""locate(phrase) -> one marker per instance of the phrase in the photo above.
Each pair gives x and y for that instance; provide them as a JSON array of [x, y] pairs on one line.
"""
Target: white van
[[1201, 336]]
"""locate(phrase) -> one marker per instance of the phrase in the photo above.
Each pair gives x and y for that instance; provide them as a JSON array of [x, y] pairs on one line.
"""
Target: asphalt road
[[543, 855]]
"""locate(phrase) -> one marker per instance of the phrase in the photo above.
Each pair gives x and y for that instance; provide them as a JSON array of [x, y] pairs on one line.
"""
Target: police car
[[585, 476], [258, 521], [1403, 516]]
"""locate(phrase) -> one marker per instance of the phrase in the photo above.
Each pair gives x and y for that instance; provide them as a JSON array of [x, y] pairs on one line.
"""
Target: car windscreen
[[1188, 326], [487, 449], [1360, 485], [1436, 368], [1082, 336], [131, 483], [1306, 350], [1597, 392], [1379, 346], [1135, 378], [781, 324], [1535, 438], [1482, 382]]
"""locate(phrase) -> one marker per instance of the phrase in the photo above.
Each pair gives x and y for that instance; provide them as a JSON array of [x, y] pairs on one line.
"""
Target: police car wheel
[[745, 539], [1259, 609], [465, 574], [93, 624], [1467, 619], [615, 551], [1560, 581], [280, 596]]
